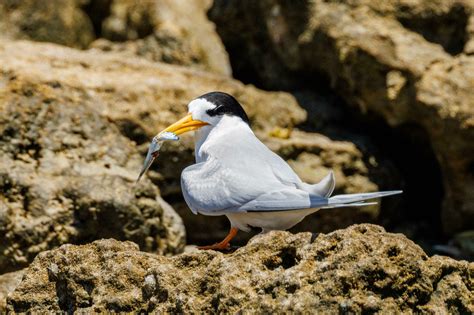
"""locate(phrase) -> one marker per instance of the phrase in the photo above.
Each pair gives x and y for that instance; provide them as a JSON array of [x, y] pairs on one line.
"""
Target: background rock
[[170, 31], [359, 269], [176, 32], [58, 21], [373, 55]]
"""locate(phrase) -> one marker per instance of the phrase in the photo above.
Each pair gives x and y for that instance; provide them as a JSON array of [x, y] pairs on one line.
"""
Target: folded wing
[[250, 177]]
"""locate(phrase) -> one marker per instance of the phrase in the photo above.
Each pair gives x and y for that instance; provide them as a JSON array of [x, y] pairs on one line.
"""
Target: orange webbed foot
[[216, 246], [224, 245]]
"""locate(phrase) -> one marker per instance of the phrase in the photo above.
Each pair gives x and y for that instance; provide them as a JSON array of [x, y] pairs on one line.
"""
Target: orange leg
[[224, 244]]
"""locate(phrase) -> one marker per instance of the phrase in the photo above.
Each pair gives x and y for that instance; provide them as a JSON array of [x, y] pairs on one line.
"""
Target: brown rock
[[359, 269], [67, 175], [57, 21], [169, 31], [374, 57], [176, 32], [8, 283], [440, 21]]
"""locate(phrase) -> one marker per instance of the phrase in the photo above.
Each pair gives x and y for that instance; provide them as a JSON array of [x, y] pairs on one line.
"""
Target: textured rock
[[444, 22], [8, 283], [58, 21], [171, 31], [373, 57], [176, 32], [67, 175], [359, 269], [141, 98]]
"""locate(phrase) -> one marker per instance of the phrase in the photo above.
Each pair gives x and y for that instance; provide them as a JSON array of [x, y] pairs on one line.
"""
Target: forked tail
[[357, 200]]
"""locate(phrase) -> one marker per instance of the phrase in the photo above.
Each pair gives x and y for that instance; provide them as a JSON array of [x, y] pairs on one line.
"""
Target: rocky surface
[[170, 31], [141, 98], [67, 175], [58, 21], [8, 283], [359, 269], [176, 32], [395, 59]]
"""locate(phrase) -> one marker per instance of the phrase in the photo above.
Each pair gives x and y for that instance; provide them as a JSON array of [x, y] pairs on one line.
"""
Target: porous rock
[[359, 269], [67, 175], [397, 59], [8, 283]]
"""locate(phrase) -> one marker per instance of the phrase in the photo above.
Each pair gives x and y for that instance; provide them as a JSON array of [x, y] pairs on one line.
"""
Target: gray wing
[[250, 177], [292, 200], [217, 186], [234, 176]]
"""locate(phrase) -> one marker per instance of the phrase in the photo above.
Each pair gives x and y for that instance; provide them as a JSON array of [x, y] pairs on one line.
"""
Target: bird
[[238, 176]]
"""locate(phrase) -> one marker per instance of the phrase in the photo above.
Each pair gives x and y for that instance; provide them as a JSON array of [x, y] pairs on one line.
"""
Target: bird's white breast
[[227, 134], [210, 185]]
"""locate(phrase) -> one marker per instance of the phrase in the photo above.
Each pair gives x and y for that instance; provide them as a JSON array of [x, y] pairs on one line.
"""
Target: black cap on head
[[226, 104]]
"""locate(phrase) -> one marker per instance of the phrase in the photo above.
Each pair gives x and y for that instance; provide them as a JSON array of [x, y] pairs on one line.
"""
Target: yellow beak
[[181, 126], [185, 124]]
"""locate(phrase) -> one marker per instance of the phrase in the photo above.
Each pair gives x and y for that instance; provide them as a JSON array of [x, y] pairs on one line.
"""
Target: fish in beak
[[169, 134]]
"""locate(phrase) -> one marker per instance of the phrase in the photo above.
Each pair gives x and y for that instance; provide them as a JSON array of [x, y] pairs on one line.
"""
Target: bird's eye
[[218, 108], [216, 111]]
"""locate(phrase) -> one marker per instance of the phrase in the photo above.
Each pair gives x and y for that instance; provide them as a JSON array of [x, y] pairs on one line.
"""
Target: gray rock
[[57, 21], [176, 32]]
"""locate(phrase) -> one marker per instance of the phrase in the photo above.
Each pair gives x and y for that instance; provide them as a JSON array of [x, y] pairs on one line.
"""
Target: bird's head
[[208, 110], [211, 107]]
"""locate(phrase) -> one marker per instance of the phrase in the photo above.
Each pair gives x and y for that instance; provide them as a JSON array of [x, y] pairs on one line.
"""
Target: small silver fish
[[154, 148]]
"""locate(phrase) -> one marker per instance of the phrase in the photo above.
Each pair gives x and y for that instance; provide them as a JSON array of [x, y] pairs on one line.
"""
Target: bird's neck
[[227, 129]]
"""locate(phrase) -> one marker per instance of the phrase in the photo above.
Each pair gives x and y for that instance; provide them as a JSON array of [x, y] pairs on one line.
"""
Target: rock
[[439, 21], [372, 54], [356, 270], [176, 32], [57, 21], [8, 283], [67, 174]]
